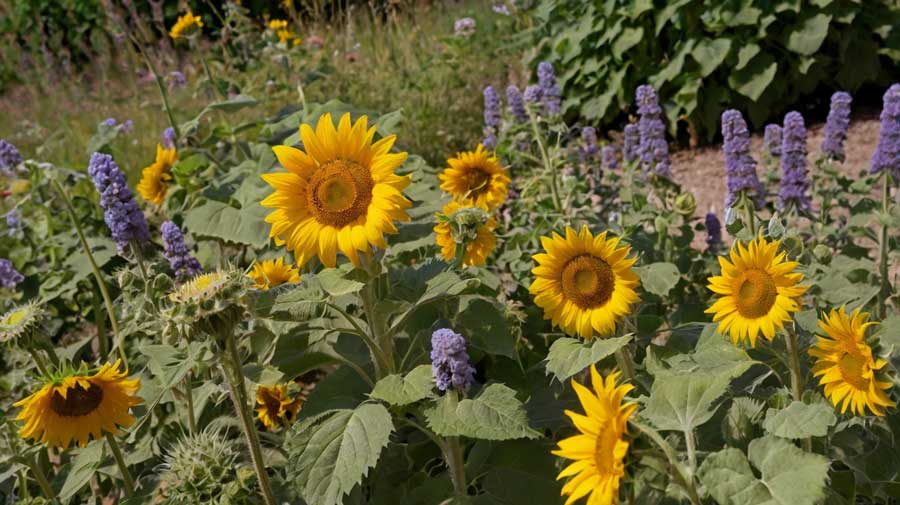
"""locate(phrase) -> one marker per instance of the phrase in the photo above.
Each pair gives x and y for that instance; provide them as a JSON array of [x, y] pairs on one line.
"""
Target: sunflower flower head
[[599, 450], [22, 324], [757, 290], [845, 366], [340, 193], [79, 406], [275, 407], [272, 273], [186, 25], [476, 178], [206, 304], [470, 227], [584, 283], [156, 176]]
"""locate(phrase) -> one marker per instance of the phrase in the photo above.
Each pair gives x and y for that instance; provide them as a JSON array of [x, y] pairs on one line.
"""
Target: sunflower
[[78, 406], [845, 364], [339, 193], [480, 246], [476, 178], [155, 177], [757, 291], [271, 273], [275, 407], [186, 25], [600, 448], [201, 287], [21, 323], [584, 283]]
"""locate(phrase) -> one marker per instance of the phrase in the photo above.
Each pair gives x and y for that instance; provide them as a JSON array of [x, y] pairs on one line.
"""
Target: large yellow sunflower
[[845, 364], [757, 291], [600, 448], [272, 273], [275, 407], [476, 178], [186, 25], [155, 177], [339, 193], [79, 407], [584, 283], [477, 250]]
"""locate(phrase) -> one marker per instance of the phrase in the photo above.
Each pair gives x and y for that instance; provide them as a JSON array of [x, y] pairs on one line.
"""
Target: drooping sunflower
[[275, 407], [186, 25], [585, 284], [758, 290], [478, 249], [845, 366], [155, 177], [339, 193], [599, 450], [79, 406], [272, 273], [476, 178]]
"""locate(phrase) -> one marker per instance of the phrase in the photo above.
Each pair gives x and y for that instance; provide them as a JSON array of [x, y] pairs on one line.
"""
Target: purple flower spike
[[533, 94], [9, 276], [516, 104], [491, 107], [183, 263], [450, 361], [177, 79], [653, 150], [550, 94], [121, 213], [794, 182], [836, 126], [887, 153], [589, 149], [110, 121], [9, 157], [608, 158], [772, 140], [713, 231], [740, 167], [168, 136], [632, 143]]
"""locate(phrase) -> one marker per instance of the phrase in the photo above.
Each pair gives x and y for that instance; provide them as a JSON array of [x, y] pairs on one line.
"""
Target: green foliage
[[397, 390], [569, 356], [495, 414]]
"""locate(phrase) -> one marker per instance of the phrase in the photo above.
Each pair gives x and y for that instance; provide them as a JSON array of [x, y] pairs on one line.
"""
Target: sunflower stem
[[885, 290], [691, 445], [123, 467], [749, 211], [23, 485], [383, 341], [378, 358], [42, 481], [162, 89], [99, 322], [687, 482], [623, 359], [38, 361], [189, 396], [546, 160], [454, 456], [235, 378], [796, 373]]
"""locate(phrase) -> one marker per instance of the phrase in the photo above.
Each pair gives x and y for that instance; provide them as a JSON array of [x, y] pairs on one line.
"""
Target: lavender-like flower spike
[[794, 183], [632, 142], [13, 221], [533, 94], [653, 150], [110, 121], [9, 276], [772, 140], [836, 126], [491, 107], [608, 158], [713, 231], [450, 361], [516, 104], [168, 136], [121, 213], [740, 167], [9, 157], [589, 149], [887, 153], [550, 94], [183, 263]]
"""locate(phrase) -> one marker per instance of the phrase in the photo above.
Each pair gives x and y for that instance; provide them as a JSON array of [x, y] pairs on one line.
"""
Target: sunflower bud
[[205, 468], [822, 253], [21, 325], [685, 204], [207, 304]]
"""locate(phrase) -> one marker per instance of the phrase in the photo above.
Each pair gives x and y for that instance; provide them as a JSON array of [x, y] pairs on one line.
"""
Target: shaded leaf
[[399, 390], [569, 356]]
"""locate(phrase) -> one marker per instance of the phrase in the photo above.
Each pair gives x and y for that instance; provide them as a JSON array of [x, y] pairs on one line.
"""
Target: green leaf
[[330, 454], [746, 53], [569, 356], [752, 80], [789, 476], [658, 278], [799, 420], [683, 402], [710, 54], [807, 37], [398, 390], [335, 282], [628, 39], [487, 326], [495, 414], [82, 468], [222, 221]]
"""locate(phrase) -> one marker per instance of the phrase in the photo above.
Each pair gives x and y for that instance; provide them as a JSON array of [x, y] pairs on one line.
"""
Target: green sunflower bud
[[685, 204]]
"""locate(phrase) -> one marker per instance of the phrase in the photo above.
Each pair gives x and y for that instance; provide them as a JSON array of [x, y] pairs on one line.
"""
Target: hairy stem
[[687, 482], [120, 462], [42, 481], [557, 204], [885, 291]]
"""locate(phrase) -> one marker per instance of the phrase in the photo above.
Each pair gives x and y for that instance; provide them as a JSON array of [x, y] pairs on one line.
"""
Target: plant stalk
[[557, 204], [189, 396], [42, 481], [123, 467], [383, 340], [685, 481], [623, 359], [796, 373], [454, 456], [38, 361], [885, 290]]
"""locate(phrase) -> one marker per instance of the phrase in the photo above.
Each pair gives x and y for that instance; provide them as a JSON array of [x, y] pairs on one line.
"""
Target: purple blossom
[[516, 104], [127, 126], [772, 140], [183, 263], [836, 126], [794, 182], [9, 157], [713, 231], [550, 94], [501, 9], [489, 141], [9, 276], [177, 79], [887, 153], [589, 148], [632, 143], [608, 158], [653, 150], [533, 94], [121, 213], [740, 167], [168, 136], [13, 220], [110, 121], [464, 27], [450, 361], [491, 107]]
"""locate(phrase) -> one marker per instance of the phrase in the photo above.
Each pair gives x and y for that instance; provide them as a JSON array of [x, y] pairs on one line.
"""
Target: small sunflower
[[757, 291], [480, 240], [275, 407], [599, 450], [186, 25], [585, 284], [271, 273], [21, 322], [476, 178], [201, 287], [155, 177], [845, 364], [207, 304], [79, 406], [339, 194]]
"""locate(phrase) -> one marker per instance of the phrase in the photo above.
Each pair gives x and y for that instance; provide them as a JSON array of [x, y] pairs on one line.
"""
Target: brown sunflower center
[[340, 192], [588, 281], [78, 401], [853, 368], [605, 448], [477, 180], [271, 403], [755, 293]]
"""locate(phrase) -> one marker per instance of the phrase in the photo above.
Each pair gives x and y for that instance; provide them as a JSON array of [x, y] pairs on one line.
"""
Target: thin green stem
[[356, 368], [38, 361], [23, 485], [687, 482], [378, 358], [123, 467], [885, 291], [189, 396], [160, 86], [797, 381], [369, 295], [750, 211], [454, 456], [623, 359], [209, 76], [691, 445], [42, 481], [99, 322], [557, 204]]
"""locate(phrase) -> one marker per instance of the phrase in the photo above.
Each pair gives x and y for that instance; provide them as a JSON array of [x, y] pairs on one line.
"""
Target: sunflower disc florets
[[21, 324], [206, 304]]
